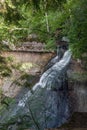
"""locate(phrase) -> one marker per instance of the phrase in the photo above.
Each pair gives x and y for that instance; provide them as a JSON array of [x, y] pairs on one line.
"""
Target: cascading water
[[46, 105]]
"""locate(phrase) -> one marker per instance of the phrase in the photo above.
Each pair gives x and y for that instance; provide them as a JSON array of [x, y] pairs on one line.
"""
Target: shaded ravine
[[46, 105]]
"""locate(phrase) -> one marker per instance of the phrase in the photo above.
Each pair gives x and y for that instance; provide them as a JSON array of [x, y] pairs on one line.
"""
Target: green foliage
[[76, 26], [22, 18], [51, 44], [5, 67], [4, 100]]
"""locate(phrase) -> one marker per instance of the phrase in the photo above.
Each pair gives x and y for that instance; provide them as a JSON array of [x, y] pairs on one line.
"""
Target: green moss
[[4, 101], [26, 66]]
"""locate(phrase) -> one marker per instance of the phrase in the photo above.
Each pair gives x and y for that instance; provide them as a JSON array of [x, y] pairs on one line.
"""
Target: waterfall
[[46, 105]]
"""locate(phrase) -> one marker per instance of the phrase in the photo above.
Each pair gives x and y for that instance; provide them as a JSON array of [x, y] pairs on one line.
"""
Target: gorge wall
[[30, 62], [77, 84]]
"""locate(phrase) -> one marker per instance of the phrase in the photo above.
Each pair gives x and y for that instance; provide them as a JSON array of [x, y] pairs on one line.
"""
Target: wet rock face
[[77, 82], [46, 105], [78, 93]]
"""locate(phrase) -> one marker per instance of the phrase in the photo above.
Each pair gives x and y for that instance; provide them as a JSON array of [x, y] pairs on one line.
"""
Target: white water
[[43, 80]]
